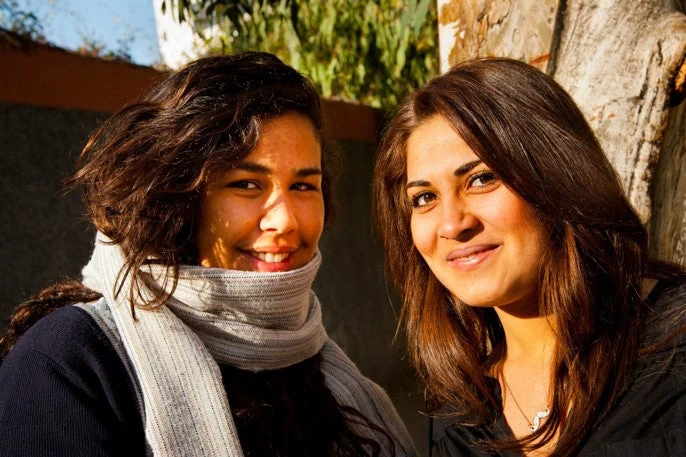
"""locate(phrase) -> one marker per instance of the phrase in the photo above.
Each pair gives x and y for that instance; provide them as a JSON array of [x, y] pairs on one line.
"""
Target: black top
[[64, 391], [649, 419]]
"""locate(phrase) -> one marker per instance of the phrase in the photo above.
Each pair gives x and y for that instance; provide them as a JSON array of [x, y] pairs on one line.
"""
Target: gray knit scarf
[[250, 320]]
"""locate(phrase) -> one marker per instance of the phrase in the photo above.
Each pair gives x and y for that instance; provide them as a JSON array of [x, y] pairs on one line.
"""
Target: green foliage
[[374, 52], [23, 23], [94, 48]]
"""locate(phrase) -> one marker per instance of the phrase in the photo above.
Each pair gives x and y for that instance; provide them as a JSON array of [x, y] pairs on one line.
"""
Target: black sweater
[[64, 391], [649, 419]]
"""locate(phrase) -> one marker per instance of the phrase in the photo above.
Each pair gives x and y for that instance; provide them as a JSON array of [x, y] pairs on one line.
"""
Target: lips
[[471, 256], [271, 257]]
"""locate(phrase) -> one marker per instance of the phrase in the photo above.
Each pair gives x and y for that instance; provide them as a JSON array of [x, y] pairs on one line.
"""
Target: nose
[[279, 216], [456, 220]]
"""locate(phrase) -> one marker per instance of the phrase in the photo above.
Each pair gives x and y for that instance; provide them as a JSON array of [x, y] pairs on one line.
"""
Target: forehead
[[435, 146], [287, 139]]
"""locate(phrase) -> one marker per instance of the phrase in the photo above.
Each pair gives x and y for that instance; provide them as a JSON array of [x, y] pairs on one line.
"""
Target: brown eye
[[303, 186], [243, 184], [422, 199], [482, 179]]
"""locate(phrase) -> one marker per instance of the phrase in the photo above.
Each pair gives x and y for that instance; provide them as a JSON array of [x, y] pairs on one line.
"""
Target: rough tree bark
[[624, 63]]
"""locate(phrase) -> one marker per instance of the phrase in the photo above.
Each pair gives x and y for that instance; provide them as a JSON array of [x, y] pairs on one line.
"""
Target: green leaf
[[420, 15], [372, 51]]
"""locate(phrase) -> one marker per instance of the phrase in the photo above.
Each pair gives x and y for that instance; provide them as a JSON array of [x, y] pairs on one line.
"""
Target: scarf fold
[[250, 320]]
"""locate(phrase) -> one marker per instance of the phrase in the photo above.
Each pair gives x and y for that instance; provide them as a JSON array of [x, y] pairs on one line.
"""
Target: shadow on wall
[[358, 311], [47, 238]]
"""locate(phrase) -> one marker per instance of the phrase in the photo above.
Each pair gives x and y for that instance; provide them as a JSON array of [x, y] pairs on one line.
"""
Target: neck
[[528, 338], [526, 370]]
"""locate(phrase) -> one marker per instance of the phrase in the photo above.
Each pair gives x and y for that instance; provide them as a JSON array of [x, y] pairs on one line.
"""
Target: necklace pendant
[[536, 422]]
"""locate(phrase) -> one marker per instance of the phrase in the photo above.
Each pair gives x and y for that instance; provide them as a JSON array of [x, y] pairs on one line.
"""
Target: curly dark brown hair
[[142, 172]]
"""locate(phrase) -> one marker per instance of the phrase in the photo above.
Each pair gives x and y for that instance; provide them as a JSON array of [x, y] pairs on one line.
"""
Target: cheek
[[222, 219], [517, 220], [509, 213], [421, 234], [311, 220]]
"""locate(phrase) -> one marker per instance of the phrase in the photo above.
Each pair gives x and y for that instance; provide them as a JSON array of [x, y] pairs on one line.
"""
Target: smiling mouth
[[270, 257], [471, 257]]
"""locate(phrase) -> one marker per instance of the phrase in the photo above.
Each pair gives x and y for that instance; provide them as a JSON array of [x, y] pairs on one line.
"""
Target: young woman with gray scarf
[[195, 331]]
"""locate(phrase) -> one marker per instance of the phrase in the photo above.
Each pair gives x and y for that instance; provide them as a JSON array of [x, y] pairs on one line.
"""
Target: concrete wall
[[358, 312], [45, 236]]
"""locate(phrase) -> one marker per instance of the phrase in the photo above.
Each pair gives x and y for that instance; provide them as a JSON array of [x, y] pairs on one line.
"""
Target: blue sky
[[115, 24]]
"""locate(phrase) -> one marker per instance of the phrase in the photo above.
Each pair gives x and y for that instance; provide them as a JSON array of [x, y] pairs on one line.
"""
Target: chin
[[478, 299], [479, 303]]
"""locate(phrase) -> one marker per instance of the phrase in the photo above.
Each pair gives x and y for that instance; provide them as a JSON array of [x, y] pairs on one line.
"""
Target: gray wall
[[358, 312], [45, 238]]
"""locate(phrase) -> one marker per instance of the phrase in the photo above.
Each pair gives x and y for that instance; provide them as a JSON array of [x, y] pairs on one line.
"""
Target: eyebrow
[[418, 183], [257, 168], [305, 172], [251, 167], [459, 172], [466, 168]]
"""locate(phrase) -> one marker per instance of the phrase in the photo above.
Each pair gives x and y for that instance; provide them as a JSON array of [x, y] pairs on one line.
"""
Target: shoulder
[[650, 416], [62, 331], [68, 337], [351, 388], [649, 419], [68, 344], [666, 319], [64, 387]]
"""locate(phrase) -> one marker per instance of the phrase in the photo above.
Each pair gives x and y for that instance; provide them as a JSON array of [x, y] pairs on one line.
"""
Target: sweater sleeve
[[65, 392]]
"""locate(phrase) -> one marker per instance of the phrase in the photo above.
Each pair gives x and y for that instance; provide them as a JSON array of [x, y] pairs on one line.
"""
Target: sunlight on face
[[267, 212], [479, 238]]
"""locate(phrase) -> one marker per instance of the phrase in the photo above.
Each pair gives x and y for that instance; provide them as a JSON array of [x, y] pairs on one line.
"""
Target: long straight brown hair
[[529, 131]]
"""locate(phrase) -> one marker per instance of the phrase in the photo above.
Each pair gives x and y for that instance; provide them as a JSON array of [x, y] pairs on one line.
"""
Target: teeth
[[469, 257], [271, 257]]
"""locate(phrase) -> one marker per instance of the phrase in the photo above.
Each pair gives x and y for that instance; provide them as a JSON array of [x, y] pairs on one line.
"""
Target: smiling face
[[478, 237], [266, 213]]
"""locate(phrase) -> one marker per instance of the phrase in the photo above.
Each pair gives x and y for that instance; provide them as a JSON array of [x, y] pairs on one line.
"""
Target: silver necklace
[[535, 422]]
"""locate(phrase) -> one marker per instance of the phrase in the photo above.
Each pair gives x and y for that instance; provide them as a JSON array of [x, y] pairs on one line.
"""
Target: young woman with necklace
[[533, 311]]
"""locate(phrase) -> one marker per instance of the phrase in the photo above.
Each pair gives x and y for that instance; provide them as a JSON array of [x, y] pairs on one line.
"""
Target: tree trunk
[[623, 62]]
